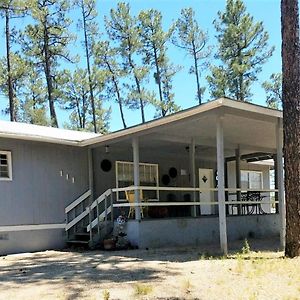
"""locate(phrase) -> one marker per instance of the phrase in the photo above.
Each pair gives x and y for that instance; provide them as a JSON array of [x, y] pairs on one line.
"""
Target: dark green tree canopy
[[243, 49]]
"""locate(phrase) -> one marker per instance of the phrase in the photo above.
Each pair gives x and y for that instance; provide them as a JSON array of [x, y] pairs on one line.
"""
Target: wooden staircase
[[87, 222]]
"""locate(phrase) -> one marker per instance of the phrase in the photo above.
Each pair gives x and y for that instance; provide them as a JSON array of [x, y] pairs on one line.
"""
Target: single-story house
[[198, 176]]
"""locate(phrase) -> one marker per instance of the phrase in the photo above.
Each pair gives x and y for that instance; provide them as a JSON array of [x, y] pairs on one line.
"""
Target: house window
[[148, 177], [251, 180], [5, 165]]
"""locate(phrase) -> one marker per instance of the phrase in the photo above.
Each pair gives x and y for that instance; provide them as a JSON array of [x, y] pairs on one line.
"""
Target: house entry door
[[206, 182]]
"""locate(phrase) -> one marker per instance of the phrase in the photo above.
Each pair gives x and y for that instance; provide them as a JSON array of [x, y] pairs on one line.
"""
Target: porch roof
[[244, 124], [249, 126]]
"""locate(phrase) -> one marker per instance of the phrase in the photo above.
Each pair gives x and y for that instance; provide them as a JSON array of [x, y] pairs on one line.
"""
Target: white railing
[[153, 202], [101, 217], [90, 210], [72, 207], [98, 213]]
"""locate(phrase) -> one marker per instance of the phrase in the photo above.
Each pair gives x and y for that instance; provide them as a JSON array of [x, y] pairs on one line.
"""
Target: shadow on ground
[[100, 267]]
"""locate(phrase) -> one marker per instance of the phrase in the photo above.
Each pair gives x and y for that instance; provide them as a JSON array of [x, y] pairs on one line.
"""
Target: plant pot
[[109, 244]]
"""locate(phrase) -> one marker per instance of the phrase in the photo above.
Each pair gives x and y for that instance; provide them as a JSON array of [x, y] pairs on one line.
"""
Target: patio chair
[[130, 199]]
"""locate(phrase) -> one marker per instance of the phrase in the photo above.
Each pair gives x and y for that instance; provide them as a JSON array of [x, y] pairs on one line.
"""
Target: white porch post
[[192, 173], [281, 198], [136, 175], [221, 186]]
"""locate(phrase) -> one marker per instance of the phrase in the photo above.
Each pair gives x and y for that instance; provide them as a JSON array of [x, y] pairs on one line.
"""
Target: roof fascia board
[[39, 139], [209, 106], [250, 107]]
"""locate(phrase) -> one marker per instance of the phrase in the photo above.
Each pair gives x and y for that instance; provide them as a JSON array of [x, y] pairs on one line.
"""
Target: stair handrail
[[78, 201], [104, 214], [73, 205], [100, 199]]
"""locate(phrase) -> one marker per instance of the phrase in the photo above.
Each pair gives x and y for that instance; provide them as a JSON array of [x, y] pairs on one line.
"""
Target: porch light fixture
[[106, 149]]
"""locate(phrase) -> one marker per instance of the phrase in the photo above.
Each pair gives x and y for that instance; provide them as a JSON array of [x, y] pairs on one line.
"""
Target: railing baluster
[[98, 220], [67, 221], [111, 207], [90, 221], [105, 213]]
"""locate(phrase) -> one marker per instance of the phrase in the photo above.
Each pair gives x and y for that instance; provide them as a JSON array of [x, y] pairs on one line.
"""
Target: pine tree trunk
[[158, 77], [117, 91], [47, 69], [87, 53], [137, 83], [197, 74], [291, 122], [12, 111]]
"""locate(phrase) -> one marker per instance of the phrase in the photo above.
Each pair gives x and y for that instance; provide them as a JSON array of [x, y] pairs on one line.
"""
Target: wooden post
[[90, 222], [238, 176], [112, 207], [136, 176], [281, 198], [98, 220], [193, 174], [221, 188], [105, 214]]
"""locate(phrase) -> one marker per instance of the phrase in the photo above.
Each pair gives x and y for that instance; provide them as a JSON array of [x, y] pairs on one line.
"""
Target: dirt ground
[[185, 273]]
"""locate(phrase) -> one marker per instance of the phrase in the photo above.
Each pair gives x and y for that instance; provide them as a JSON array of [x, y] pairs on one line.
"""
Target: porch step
[[82, 236], [78, 242]]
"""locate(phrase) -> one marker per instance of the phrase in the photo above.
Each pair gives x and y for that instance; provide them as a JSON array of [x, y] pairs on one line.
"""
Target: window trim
[[9, 163], [140, 164], [254, 171]]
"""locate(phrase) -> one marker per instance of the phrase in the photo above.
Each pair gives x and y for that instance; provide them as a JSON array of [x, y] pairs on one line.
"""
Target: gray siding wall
[[165, 160], [38, 194], [32, 240]]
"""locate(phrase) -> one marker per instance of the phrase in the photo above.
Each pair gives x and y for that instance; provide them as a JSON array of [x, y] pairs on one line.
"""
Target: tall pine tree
[[154, 49], [243, 49], [46, 43], [122, 29], [90, 32], [290, 53], [11, 9], [191, 38], [106, 59]]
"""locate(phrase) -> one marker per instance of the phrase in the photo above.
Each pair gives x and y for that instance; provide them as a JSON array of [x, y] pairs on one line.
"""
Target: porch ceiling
[[247, 126]]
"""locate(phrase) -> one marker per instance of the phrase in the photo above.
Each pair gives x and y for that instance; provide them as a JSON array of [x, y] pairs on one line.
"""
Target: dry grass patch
[[142, 289], [140, 274]]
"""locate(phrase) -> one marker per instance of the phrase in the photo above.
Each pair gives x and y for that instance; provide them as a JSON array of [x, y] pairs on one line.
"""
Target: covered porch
[[194, 177]]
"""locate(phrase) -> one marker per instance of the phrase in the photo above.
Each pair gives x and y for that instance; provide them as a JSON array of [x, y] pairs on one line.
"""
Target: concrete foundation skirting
[[31, 240], [157, 233]]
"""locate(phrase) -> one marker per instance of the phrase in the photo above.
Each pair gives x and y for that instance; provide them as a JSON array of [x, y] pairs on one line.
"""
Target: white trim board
[[10, 228]]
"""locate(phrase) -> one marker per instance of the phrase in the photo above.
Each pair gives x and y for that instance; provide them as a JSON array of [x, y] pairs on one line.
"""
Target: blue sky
[[267, 11]]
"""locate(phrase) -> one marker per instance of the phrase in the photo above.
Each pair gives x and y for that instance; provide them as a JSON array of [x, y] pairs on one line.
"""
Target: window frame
[[9, 165], [249, 183], [141, 164]]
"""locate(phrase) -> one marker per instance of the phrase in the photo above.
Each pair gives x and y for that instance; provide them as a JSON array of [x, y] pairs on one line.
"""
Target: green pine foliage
[[154, 50], [273, 90], [125, 58], [190, 37], [242, 50]]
